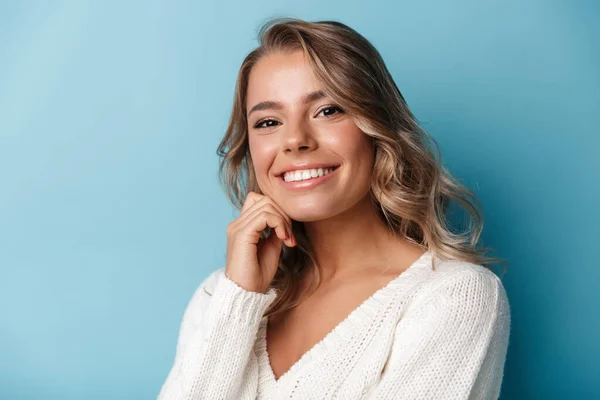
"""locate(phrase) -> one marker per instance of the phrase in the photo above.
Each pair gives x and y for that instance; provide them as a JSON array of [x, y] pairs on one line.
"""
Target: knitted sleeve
[[453, 345], [214, 358]]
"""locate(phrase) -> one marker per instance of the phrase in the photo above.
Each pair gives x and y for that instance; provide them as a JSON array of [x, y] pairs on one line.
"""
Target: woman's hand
[[252, 262]]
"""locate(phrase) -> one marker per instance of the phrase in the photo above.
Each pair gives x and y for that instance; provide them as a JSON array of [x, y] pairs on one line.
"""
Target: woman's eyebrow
[[274, 105]]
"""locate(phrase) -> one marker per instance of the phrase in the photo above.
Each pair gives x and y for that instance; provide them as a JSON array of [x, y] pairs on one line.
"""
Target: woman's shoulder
[[445, 270], [462, 285]]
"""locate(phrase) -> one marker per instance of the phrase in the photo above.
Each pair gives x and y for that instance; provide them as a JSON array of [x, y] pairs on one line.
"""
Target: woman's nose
[[298, 137]]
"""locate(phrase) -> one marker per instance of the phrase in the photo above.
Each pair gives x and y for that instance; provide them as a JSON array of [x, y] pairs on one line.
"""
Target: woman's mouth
[[307, 178], [307, 174]]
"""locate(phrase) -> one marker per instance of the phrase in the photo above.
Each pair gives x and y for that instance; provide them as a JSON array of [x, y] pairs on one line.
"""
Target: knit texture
[[433, 332]]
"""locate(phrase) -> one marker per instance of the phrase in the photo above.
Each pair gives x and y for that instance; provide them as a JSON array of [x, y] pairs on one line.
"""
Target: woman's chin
[[310, 215]]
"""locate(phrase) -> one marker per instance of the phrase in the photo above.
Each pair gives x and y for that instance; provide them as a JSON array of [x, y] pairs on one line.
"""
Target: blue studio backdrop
[[111, 213]]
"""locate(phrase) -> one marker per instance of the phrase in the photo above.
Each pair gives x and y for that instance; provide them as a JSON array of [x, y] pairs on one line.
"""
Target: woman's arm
[[214, 358], [453, 345]]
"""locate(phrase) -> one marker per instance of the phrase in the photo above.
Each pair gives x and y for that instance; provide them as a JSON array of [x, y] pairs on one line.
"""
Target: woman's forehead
[[283, 78]]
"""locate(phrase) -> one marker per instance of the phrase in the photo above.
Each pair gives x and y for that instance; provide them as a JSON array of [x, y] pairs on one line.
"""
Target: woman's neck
[[356, 240]]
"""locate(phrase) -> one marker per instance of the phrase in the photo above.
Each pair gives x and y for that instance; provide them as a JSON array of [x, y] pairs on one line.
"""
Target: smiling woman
[[343, 278], [307, 129]]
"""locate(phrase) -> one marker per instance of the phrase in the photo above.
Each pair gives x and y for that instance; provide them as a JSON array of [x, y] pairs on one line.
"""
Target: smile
[[306, 174], [307, 178]]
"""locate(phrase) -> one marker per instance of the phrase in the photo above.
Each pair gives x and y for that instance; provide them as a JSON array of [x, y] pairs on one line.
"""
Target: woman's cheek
[[262, 159]]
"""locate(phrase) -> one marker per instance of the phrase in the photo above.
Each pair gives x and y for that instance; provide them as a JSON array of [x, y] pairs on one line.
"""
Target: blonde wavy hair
[[410, 187]]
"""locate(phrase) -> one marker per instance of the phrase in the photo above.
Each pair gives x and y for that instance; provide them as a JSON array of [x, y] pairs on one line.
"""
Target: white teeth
[[302, 175]]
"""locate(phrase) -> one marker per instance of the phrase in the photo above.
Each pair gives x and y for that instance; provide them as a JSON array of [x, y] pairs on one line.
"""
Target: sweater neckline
[[356, 319]]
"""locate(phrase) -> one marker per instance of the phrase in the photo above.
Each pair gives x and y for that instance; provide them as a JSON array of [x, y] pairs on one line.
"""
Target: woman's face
[[294, 128]]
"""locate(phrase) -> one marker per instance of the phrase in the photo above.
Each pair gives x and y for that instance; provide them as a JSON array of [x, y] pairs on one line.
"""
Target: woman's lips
[[309, 183]]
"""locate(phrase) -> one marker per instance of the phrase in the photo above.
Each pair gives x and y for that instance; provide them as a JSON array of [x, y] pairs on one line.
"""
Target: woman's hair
[[410, 187]]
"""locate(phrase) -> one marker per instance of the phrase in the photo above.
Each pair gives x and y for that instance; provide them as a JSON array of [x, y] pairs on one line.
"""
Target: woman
[[330, 288]]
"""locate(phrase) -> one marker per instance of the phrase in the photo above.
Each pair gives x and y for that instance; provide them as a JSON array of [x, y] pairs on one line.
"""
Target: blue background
[[111, 213]]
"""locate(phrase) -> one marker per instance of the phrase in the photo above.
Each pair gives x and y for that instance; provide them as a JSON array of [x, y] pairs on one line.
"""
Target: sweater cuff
[[238, 305]]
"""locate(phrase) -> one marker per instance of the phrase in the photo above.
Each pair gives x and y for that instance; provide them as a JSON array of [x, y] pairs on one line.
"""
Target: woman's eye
[[327, 111], [265, 123]]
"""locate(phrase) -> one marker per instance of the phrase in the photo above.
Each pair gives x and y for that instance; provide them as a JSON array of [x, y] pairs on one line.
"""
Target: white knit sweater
[[430, 333]]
